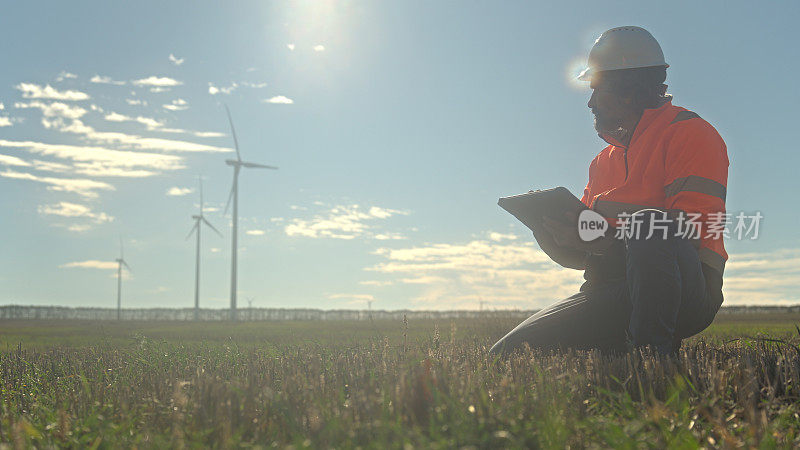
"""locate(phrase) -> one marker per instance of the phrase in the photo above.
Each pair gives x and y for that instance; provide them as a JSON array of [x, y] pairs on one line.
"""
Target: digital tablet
[[530, 208]]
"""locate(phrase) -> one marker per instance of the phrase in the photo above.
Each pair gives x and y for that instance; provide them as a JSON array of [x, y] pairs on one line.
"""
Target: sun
[[573, 69]]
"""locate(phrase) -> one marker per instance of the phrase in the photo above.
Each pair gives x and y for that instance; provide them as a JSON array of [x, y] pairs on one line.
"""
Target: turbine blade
[[233, 132], [121, 254], [192, 230], [200, 179], [258, 166], [212, 226], [126, 265], [227, 205]]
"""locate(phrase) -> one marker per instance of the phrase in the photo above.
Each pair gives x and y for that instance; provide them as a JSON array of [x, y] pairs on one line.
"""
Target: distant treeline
[[267, 314], [245, 314]]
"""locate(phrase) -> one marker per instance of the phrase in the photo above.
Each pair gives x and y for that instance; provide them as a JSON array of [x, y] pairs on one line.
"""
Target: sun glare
[[574, 69]]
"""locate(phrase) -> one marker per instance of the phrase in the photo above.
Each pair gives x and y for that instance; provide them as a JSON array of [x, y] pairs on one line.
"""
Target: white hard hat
[[623, 48]]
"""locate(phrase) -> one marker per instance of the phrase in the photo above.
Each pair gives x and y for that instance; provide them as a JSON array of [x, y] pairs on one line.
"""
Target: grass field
[[424, 384]]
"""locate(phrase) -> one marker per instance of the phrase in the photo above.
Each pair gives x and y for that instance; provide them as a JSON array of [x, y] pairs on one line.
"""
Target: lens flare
[[574, 69]]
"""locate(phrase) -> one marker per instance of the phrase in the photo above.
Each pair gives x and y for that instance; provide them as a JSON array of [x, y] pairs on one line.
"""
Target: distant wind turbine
[[199, 219], [120, 262], [237, 165]]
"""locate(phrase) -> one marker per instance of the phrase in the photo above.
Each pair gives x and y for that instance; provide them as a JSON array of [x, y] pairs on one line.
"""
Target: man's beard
[[612, 128]]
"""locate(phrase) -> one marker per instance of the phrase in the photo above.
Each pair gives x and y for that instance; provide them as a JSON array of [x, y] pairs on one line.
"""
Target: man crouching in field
[[662, 182]]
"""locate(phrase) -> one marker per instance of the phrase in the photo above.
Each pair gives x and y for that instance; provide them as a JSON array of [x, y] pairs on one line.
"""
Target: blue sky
[[396, 126]]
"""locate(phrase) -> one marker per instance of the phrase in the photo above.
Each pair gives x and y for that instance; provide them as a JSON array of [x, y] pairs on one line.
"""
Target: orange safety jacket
[[675, 161]]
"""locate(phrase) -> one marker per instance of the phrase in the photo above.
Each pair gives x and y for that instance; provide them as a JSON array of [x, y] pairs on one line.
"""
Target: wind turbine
[[237, 165], [120, 263], [199, 219]]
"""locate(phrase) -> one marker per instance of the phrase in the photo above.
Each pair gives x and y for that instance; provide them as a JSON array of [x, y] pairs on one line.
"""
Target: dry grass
[[378, 385]]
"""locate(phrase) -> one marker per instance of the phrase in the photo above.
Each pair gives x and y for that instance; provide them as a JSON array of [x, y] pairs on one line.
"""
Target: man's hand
[[565, 234]]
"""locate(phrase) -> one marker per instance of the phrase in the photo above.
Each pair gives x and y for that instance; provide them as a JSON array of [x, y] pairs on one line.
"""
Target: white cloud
[[460, 275], [255, 232], [175, 60], [177, 105], [279, 99], [79, 227], [209, 134], [97, 161], [383, 213], [83, 187], [254, 85], [355, 296], [290, 47], [376, 283], [155, 125], [424, 279], [62, 111], [100, 79], [5, 121], [65, 75], [90, 264], [144, 143], [51, 166], [78, 127], [179, 191], [229, 89], [2, 106], [53, 109], [319, 48], [48, 166], [157, 82], [762, 278], [149, 122], [158, 89], [8, 160], [214, 90], [509, 272], [74, 210], [499, 237], [389, 237], [135, 102], [173, 130], [115, 117], [341, 222], [34, 91]]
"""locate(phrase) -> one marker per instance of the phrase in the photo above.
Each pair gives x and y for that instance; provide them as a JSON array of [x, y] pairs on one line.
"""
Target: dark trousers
[[644, 291]]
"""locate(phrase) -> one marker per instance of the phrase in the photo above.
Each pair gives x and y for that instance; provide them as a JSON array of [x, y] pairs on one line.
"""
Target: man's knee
[[593, 318]]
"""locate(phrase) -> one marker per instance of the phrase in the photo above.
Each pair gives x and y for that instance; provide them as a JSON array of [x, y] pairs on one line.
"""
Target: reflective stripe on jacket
[[675, 161]]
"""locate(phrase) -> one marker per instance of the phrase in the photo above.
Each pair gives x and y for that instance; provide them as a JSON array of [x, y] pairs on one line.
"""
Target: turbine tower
[[120, 262], [199, 219], [237, 165]]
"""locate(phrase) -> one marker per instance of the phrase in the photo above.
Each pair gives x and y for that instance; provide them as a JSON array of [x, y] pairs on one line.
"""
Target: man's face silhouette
[[609, 107]]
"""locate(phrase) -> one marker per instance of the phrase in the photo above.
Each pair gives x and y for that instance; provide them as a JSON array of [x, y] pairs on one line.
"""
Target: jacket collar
[[648, 117]]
